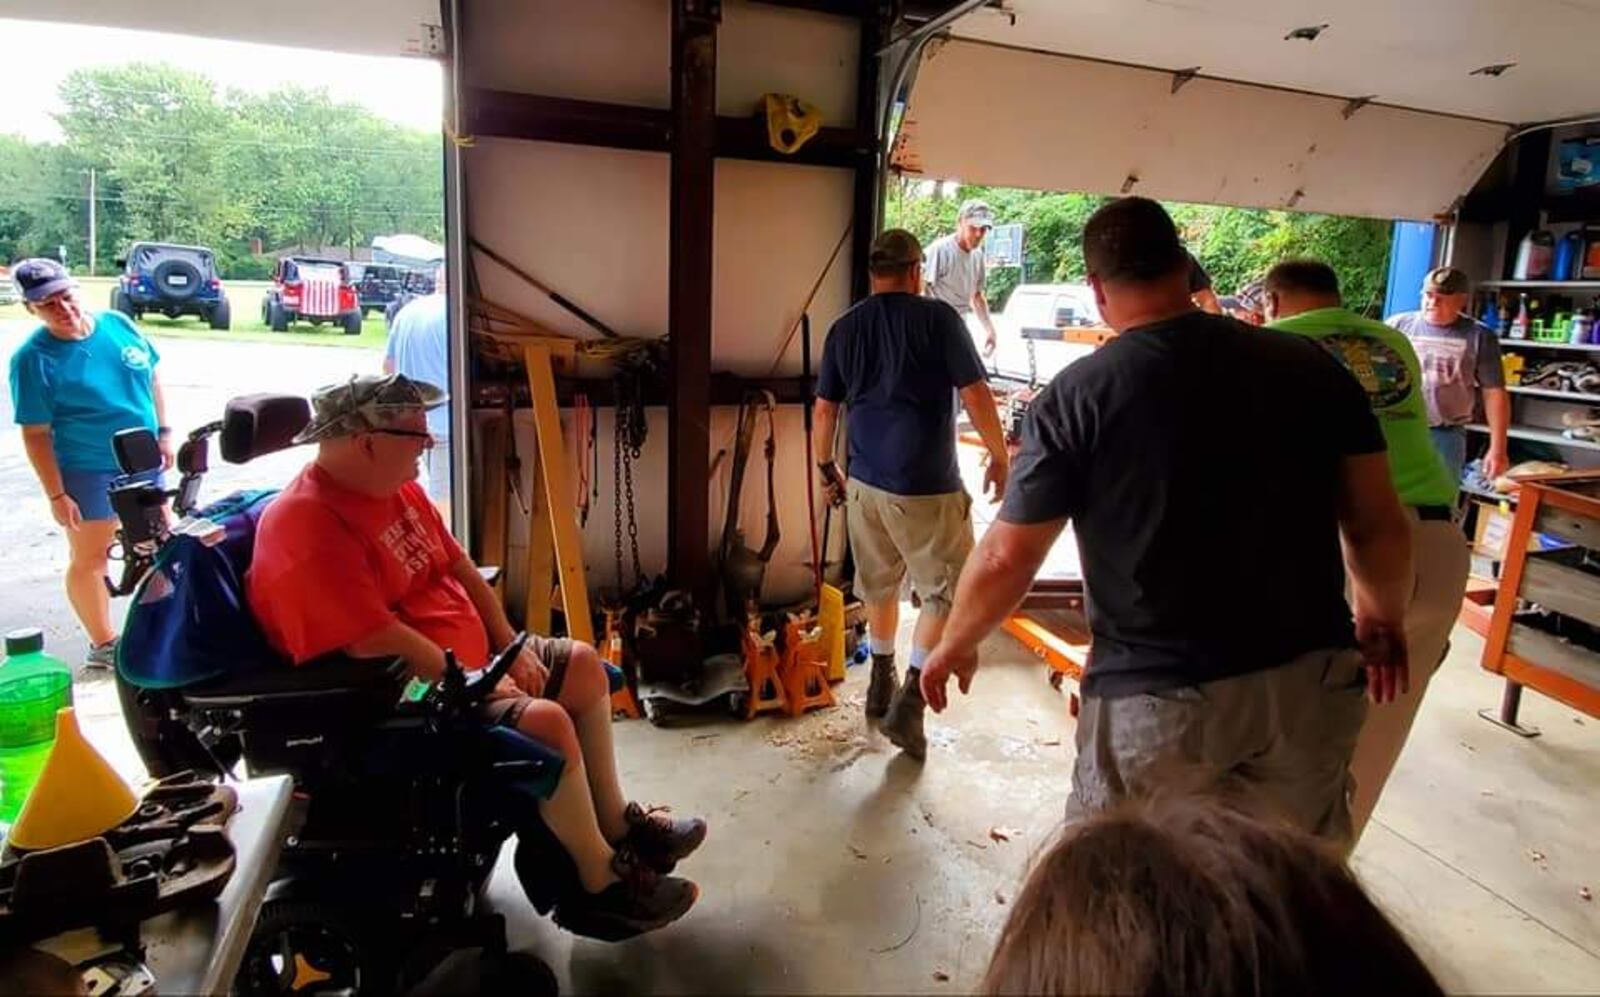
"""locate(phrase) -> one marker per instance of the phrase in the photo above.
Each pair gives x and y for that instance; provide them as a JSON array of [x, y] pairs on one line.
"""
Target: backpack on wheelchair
[[403, 798]]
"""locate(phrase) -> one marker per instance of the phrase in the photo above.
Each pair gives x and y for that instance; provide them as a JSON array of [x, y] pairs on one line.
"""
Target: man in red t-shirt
[[352, 557]]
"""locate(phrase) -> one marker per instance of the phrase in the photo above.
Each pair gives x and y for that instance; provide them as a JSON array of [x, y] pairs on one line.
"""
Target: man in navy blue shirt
[[898, 361]]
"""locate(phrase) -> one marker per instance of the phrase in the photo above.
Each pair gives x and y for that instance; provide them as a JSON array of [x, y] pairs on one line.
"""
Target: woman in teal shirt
[[76, 382]]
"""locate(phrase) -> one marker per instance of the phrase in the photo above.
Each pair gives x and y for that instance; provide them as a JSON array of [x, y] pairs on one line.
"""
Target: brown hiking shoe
[[640, 901], [659, 840], [903, 723], [881, 689]]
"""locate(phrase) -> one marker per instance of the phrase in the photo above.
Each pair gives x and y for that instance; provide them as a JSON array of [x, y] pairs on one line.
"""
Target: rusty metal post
[[693, 176]]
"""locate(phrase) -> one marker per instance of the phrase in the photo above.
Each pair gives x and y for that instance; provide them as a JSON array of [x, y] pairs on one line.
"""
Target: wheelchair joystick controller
[[456, 690]]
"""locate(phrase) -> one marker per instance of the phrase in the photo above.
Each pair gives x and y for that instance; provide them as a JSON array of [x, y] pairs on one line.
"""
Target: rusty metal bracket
[[1355, 104]]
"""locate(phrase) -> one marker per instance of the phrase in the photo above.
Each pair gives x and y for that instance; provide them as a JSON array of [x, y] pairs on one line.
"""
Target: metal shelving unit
[[1541, 285], [1565, 396], [1542, 344], [1537, 435]]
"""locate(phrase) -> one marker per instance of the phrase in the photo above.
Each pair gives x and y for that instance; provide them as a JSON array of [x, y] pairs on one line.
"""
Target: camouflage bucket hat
[[363, 403]]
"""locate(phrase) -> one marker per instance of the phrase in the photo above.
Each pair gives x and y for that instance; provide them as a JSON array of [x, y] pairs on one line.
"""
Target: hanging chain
[[616, 491], [633, 523], [1033, 364]]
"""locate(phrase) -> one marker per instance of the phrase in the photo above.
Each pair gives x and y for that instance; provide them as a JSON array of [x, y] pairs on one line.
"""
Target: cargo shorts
[[1283, 736], [925, 536], [553, 653]]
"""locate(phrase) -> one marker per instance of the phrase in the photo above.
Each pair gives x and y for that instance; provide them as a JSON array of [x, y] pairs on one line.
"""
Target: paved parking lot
[[200, 376]]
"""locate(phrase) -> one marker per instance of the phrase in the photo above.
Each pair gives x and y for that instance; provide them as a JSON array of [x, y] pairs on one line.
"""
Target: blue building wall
[[1410, 259]]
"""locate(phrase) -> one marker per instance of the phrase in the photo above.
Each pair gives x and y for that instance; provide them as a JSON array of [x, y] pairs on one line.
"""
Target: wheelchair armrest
[[490, 573], [334, 673]]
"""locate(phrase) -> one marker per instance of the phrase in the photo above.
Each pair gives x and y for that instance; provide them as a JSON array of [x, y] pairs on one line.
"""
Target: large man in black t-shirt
[[1211, 470], [898, 362]]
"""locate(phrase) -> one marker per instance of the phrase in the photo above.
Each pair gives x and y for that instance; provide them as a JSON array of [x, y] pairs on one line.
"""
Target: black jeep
[[377, 284], [171, 280]]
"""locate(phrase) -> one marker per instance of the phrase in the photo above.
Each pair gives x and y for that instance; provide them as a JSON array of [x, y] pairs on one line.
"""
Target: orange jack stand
[[623, 704], [761, 669], [804, 668]]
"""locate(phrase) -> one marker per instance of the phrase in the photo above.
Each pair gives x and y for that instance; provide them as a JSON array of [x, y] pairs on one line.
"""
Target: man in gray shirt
[[1460, 358], [953, 267]]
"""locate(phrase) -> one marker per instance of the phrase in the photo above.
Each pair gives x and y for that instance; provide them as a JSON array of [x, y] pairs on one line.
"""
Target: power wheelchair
[[403, 799]]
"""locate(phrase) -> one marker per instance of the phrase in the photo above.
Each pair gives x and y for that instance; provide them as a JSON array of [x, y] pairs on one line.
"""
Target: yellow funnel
[[78, 795]]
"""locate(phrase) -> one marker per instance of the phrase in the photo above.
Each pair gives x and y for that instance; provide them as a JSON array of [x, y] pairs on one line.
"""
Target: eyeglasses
[[410, 434]]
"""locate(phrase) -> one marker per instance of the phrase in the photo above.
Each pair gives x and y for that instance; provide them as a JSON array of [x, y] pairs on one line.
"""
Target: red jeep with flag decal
[[308, 289]]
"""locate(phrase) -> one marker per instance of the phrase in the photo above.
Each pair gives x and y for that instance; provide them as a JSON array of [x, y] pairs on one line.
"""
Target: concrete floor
[[834, 865]]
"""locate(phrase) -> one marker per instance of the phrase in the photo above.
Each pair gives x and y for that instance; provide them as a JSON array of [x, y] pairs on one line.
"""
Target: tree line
[[176, 159], [1236, 245]]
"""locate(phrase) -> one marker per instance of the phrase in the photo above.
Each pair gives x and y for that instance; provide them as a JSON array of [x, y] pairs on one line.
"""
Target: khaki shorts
[[554, 653], [926, 536], [1284, 735]]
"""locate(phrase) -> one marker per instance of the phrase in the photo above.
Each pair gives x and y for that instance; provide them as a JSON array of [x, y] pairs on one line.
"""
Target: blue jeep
[[172, 281]]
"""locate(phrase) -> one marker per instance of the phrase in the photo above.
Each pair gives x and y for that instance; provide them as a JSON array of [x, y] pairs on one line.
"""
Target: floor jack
[[804, 666]]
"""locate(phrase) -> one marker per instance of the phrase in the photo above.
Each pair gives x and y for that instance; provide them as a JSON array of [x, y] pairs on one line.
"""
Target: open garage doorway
[[263, 215]]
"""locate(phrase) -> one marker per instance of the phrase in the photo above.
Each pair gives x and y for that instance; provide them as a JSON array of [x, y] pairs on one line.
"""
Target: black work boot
[[881, 689], [640, 901], [661, 841], [903, 724]]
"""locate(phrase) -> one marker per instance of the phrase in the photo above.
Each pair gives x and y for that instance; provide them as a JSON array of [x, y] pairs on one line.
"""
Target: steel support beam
[[689, 276], [868, 192], [503, 114]]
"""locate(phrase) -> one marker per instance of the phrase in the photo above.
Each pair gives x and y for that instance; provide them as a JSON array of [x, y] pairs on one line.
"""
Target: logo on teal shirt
[[1381, 370], [135, 358]]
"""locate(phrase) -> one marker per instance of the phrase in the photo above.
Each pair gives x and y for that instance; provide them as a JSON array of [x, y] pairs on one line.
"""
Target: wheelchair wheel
[[309, 947]]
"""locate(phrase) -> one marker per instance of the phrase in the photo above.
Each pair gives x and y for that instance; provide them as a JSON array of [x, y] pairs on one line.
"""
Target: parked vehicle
[[171, 280], [378, 285], [1034, 357], [309, 289], [418, 284]]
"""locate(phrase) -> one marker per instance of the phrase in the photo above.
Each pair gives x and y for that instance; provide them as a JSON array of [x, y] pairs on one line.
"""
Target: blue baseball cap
[[41, 278]]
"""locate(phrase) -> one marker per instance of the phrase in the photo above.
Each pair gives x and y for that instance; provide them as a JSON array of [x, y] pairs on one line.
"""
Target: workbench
[[1545, 631], [199, 949]]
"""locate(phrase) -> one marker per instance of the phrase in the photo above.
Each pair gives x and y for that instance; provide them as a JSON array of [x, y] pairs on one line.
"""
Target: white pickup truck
[[1026, 358]]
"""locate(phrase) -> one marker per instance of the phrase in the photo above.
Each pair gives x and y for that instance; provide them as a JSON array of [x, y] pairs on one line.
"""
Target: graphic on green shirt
[[1380, 369], [1385, 364]]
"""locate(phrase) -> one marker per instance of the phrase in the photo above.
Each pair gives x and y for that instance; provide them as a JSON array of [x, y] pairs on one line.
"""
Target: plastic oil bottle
[[33, 686]]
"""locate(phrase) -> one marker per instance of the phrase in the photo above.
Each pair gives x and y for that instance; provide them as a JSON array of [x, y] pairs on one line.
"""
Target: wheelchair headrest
[[256, 425]]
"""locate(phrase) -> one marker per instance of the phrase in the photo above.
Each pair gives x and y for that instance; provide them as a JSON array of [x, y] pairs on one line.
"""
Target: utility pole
[[92, 206]]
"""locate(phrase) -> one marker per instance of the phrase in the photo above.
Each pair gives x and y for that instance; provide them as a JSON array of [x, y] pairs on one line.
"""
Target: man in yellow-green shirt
[[1302, 297]]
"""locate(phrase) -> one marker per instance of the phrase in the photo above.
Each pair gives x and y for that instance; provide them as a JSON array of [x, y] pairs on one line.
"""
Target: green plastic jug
[[33, 686]]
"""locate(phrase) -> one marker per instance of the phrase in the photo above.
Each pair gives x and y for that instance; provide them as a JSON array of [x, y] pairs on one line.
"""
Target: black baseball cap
[[41, 278], [894, 249], [1446, 280]]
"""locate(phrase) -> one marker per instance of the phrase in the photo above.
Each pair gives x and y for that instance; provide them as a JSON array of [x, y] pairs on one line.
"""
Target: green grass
[[244, 297]]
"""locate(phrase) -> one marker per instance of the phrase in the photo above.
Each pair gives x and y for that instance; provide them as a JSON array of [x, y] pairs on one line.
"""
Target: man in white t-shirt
[[418, 347], [953, 267]]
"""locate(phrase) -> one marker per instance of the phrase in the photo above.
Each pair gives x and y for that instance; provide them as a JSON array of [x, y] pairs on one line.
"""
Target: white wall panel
[[761, 48], [775, 228], [614, 51], [590, 223]]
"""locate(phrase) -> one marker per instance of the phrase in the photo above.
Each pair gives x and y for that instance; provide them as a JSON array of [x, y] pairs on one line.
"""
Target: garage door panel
[[1001, 116]]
